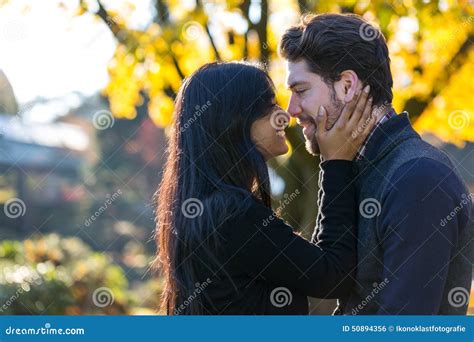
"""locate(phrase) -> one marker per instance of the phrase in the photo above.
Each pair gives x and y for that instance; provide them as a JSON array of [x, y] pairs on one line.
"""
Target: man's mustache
[[304, 121]]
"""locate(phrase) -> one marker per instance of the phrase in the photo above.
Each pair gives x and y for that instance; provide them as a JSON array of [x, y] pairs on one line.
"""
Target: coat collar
[[386, 137]]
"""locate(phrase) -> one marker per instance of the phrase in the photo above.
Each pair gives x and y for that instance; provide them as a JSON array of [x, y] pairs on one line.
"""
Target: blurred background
[[86, 98]]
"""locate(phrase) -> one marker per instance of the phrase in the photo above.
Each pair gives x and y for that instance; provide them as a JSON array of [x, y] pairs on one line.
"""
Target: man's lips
[[309, 128]]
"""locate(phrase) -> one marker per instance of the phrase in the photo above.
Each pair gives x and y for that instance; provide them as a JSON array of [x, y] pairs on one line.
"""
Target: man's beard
[[312, 146], [333, 113]]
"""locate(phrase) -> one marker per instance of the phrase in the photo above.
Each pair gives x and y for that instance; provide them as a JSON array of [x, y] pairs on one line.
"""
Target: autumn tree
[[430, 44]]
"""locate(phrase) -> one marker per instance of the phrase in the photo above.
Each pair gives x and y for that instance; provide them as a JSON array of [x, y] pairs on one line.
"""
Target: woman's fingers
[[347, 111], [353, 110], [367, 112], [372, 120], [321, 121], [359, 108], [366, 117], [364, 122]]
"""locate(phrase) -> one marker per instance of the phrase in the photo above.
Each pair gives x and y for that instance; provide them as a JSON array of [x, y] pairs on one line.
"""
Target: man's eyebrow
[[296, 83]]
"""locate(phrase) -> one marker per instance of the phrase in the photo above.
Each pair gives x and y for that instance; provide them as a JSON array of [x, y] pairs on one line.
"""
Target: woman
[[221, 248]]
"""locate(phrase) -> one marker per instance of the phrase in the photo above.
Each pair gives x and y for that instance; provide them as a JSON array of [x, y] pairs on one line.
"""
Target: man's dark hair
[[332, 43]]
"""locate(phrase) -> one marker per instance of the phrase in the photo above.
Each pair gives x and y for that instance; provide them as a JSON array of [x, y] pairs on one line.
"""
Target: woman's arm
[[264, 246]]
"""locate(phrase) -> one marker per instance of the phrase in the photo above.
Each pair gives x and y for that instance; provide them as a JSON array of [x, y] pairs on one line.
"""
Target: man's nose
[[294, 107]]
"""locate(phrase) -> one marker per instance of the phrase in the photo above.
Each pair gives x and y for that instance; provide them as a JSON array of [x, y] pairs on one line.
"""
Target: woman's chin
[[279, 151]]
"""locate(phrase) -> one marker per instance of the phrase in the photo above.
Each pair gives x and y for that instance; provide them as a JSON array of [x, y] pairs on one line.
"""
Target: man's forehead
[[297, 73]]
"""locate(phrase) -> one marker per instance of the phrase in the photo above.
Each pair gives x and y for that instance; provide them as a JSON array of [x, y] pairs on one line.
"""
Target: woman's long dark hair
[[212, 167]]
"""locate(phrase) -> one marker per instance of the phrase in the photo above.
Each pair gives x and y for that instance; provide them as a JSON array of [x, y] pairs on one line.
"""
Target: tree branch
[[214, 47], [162, 13], [261, 29], [416, 106], [303, 6], [211, 40], [109, 21], [244, 7]]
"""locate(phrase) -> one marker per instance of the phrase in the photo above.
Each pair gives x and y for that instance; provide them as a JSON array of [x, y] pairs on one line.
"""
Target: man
[[412, 259]]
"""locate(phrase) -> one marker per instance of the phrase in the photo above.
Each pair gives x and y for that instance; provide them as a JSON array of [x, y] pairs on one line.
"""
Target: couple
[[379, 245]]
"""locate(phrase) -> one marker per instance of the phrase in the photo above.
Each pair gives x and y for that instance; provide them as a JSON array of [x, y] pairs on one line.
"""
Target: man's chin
[[312, 147]]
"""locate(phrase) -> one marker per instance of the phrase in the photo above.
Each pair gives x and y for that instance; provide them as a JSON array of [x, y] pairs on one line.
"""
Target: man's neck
[[382, 110]]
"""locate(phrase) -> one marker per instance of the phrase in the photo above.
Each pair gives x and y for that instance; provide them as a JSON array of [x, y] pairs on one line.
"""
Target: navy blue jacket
[[414, 231]]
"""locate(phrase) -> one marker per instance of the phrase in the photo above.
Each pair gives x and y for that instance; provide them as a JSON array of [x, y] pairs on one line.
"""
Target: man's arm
[[417, 241]]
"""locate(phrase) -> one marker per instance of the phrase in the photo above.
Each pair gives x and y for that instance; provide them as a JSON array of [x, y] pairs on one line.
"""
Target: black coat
[[264, 267]]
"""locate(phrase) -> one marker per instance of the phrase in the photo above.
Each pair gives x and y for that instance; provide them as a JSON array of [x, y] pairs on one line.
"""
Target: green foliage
[[53, 275]]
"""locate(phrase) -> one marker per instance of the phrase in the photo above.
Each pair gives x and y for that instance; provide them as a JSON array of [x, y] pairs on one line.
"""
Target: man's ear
[[349, 84]]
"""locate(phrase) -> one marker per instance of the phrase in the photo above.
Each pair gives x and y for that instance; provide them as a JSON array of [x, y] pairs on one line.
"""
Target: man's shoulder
[[429, 181], [418, 154], [418, 166], [424, 170], [416, 148]]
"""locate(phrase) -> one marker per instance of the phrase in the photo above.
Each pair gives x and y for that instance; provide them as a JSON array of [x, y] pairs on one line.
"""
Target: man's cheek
[[309, 105]]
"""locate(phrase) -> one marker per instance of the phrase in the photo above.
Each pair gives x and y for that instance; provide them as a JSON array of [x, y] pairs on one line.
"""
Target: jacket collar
[[386, 137]]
